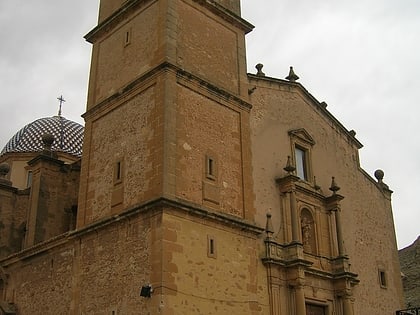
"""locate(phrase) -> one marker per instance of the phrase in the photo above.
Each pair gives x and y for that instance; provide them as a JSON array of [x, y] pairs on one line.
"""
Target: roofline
[[128, 7], [322, 106], [28, 155]]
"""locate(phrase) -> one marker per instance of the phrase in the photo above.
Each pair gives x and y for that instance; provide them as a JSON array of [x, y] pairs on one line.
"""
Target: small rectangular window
[[118, 175], [211, 246], [118, 172], [211, 249], [211, 168], [127, 37], [301, 163], [382, 278]]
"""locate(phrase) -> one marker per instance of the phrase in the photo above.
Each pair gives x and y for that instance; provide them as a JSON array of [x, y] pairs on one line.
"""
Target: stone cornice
[[181, 74], [180, 205], [115, 18], [7, 186], [291, 182], [226, 15], [129, 6], [35, 250], [160, 204], [213, 89], [292, 255], [42, 157]]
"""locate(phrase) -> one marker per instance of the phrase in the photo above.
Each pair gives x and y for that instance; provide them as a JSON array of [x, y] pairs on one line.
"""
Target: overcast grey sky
[[361, 57]]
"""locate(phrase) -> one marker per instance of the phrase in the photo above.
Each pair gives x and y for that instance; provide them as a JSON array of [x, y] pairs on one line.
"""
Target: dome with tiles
[[68, 136]]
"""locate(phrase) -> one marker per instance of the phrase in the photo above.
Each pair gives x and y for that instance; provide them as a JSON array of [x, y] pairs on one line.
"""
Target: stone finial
[[379, 175], [4, 170], [259, 70], [47, 140], [289, 168], [334, 187], [269, 230], [292, 77]]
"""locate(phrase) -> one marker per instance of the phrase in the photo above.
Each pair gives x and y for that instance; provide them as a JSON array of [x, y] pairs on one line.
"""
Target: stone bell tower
[[167, 140], [166, 113]]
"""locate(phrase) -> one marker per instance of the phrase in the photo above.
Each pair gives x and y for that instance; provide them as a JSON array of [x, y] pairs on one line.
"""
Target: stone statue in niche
[[308, 233], [306, 230]]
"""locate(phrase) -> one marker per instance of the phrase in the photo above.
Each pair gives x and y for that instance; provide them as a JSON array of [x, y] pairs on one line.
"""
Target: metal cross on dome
[[61, 100]]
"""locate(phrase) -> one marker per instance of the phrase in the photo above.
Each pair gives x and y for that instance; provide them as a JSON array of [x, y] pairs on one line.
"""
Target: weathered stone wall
[[232, 280], [370, 239], [13, 210], [42, 284], [100, 270], [410, 268], [128, 134], [206, 128], [111, 266], [208, 47], [7, 205], [19, 220], [93, 273], [124, 54], [53, 196]]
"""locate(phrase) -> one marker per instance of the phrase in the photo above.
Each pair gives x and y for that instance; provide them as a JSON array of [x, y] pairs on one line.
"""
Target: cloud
[[43, 55]]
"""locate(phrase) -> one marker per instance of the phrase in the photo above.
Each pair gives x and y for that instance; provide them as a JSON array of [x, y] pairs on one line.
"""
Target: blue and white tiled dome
[[68, 136]]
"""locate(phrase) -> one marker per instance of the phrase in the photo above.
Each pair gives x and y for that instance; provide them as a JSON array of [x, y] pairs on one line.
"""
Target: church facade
[[201, 189]]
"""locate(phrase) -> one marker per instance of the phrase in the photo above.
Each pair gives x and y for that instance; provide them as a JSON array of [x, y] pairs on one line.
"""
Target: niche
[[308, 231]]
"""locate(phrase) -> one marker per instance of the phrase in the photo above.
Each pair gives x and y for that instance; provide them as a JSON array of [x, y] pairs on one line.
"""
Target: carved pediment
[[302, 135]]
